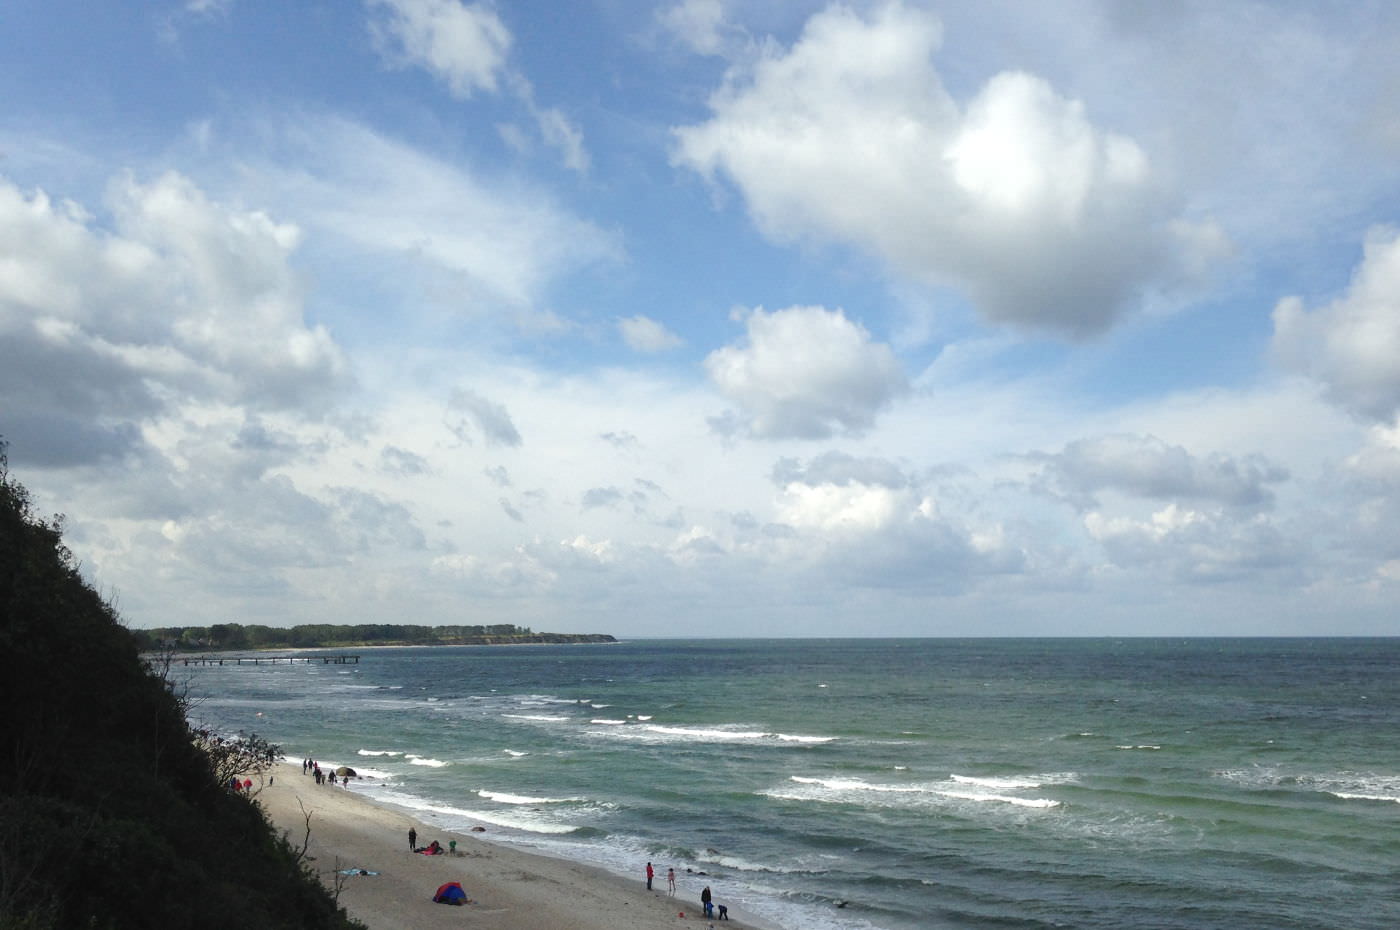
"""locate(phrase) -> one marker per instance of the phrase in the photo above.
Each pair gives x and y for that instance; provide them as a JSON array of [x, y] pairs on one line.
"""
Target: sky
[[709, 317]]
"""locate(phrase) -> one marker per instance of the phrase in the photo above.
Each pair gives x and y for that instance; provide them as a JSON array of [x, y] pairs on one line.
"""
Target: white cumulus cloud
[[1197, 545], [1352, 345], [464, 45], [805, 372], [1046, 220], [1147, 467], [697, 23], [180, 300], [643, 334]]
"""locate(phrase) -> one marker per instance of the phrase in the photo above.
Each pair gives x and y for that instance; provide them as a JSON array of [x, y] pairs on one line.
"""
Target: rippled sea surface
[[893, 784]]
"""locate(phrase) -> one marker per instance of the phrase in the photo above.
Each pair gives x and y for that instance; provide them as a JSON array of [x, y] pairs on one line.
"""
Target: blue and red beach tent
[[450, 893]]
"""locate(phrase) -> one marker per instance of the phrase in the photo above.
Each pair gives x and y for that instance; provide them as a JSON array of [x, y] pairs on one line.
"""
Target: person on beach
[[707, 901], [671, 882], [650, 873], [412, 838]]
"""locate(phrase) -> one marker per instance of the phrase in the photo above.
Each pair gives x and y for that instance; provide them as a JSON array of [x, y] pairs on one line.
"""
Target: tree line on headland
[[112, 812], [225, 636]]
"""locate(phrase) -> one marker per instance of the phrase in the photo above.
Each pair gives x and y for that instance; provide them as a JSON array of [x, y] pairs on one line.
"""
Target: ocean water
[[893, 784]]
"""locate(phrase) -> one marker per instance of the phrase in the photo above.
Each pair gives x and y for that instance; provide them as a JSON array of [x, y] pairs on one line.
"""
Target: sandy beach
[[510, 889]]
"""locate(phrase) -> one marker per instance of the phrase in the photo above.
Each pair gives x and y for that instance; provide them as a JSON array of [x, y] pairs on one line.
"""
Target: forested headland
[[113, 813], [226, 636]]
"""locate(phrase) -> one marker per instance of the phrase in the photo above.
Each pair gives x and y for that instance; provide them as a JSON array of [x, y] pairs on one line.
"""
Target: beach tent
[[345, 770], [451, 893]]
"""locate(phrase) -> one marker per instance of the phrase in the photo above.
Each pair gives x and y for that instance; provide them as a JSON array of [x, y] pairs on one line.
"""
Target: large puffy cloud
[[463, 45], [1147, 467], [1215, 525], [1352, 345], [805, 372], [867, 523], [1047, 221], [185, 299]]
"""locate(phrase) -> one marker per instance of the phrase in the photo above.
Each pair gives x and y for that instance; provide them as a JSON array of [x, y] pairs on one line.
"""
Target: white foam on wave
[[547, 718], [998, 783], [1346, 785], [545, 700], [658, 733], [743, 865], [1002, 799], [514, 753], [855, 784], [379, 752], [608, 722], [1355, 786], [502, 797], [529, 824], [1148, 747], [917, 794], [420, 760], [1348, 796]]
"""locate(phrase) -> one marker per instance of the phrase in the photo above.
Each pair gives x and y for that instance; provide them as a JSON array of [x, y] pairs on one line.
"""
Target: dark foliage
[[110, 815], [311, 635]]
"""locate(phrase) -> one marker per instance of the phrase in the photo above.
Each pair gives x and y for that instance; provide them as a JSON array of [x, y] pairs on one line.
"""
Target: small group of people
[[707, 901], [670, 878], [432, 849], [313, 768], [706, 897]]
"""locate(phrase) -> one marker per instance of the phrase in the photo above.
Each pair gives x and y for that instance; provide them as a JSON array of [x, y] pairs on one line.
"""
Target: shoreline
[[509, 888]]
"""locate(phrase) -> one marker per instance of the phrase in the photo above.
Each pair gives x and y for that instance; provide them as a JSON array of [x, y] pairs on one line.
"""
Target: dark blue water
[[925, 783]]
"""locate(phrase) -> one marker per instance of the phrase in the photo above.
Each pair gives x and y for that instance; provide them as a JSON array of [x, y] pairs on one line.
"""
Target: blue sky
[[709, 317]]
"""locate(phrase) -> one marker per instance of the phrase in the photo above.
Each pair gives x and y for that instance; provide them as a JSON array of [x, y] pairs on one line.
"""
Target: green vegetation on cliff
[[317, 635], [110, 815]]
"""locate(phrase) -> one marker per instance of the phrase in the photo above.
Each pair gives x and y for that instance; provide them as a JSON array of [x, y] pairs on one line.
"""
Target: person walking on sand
[[671, 882], [650, 873], [412, 838], [706, 901]]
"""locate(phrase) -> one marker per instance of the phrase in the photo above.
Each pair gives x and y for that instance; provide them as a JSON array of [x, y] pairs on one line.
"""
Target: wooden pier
[[269, 660]]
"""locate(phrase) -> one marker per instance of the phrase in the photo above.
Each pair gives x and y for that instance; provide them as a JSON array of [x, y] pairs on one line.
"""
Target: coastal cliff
[[110, 815]]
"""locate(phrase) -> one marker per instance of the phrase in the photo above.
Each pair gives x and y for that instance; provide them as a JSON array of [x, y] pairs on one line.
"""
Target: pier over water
[[266, 660]]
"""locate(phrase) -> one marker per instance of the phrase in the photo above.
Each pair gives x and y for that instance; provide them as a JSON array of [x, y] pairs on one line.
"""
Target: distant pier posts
[[269, 660]]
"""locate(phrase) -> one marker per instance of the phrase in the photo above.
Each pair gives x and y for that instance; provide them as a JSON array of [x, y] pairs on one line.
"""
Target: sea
[[890, 784]]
